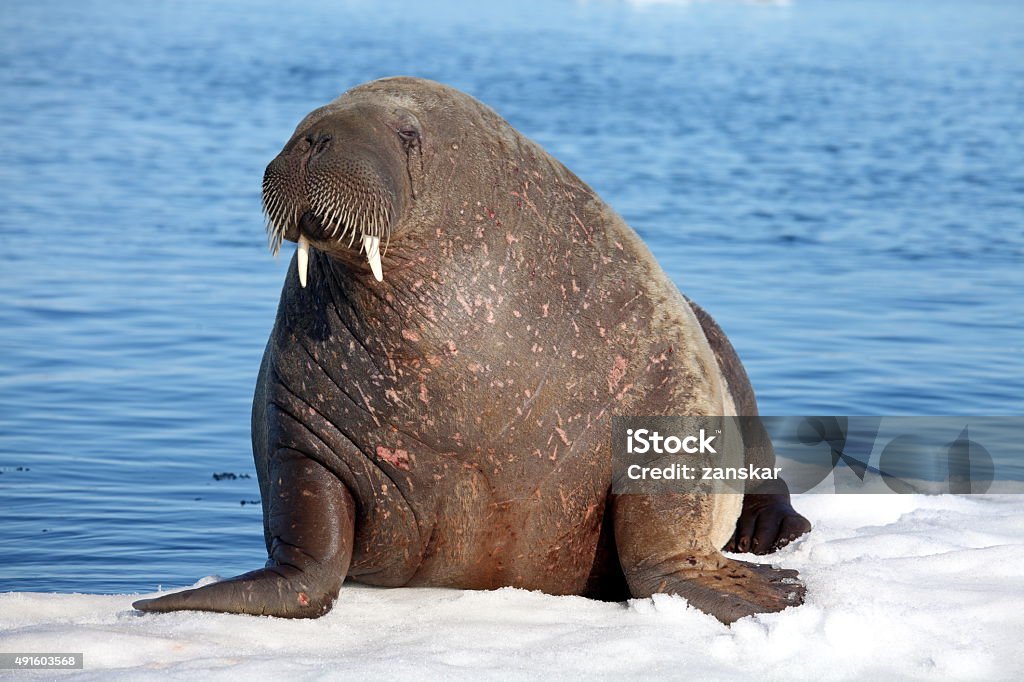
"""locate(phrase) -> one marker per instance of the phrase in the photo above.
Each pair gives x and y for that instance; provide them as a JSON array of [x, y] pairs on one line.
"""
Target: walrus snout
[[337, 187]]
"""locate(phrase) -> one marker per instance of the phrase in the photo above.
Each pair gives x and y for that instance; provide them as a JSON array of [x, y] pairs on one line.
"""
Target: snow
[[899, 586]]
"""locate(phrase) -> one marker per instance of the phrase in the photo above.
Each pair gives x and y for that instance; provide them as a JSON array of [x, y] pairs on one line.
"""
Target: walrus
[[462, 318]]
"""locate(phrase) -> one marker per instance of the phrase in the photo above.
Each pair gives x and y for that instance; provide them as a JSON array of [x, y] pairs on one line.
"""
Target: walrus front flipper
[[663, 546], [311, 524], [276, 591]]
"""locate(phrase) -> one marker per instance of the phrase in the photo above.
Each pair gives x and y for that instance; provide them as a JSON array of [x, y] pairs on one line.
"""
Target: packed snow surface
[[899, 586]]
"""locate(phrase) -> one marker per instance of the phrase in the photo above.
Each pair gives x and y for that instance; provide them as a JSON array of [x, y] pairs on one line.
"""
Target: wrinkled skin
[[451, 424]]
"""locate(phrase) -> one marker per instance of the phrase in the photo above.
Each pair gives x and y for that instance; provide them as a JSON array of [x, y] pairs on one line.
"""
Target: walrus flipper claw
[[311, 530]]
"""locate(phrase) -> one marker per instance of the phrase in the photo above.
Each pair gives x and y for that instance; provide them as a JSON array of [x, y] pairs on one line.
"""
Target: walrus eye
[[408, 134]]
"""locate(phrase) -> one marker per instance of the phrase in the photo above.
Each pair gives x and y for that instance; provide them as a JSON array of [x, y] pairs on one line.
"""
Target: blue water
[[840, 182]]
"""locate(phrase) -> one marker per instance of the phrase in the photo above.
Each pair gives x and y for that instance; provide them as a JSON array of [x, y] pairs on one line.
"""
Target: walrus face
[[342, 182]]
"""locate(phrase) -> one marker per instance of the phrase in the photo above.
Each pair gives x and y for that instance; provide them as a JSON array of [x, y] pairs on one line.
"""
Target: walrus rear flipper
[[311, 524], [767, 520]]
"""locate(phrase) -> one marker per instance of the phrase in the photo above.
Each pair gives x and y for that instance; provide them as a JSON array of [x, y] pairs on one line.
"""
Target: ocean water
[[839, 182]]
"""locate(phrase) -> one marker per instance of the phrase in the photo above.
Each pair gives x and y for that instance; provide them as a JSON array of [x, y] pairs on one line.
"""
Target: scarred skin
[[451, 424]]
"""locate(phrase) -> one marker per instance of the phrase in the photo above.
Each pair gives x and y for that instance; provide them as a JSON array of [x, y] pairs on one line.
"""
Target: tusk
[[303, 258], [372, 247]]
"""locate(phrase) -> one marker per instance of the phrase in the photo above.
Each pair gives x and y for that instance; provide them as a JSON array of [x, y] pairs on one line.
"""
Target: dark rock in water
[[227, 475]]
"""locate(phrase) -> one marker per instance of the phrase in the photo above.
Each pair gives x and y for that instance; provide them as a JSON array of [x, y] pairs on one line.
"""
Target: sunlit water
[[840, 183]]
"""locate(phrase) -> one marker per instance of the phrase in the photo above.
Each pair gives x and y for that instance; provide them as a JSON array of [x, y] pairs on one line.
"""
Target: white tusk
[[372, 247], [303, 257]]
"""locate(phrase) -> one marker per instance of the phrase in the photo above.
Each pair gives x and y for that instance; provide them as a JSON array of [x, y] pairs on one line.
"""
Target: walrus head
[[343, 181]]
